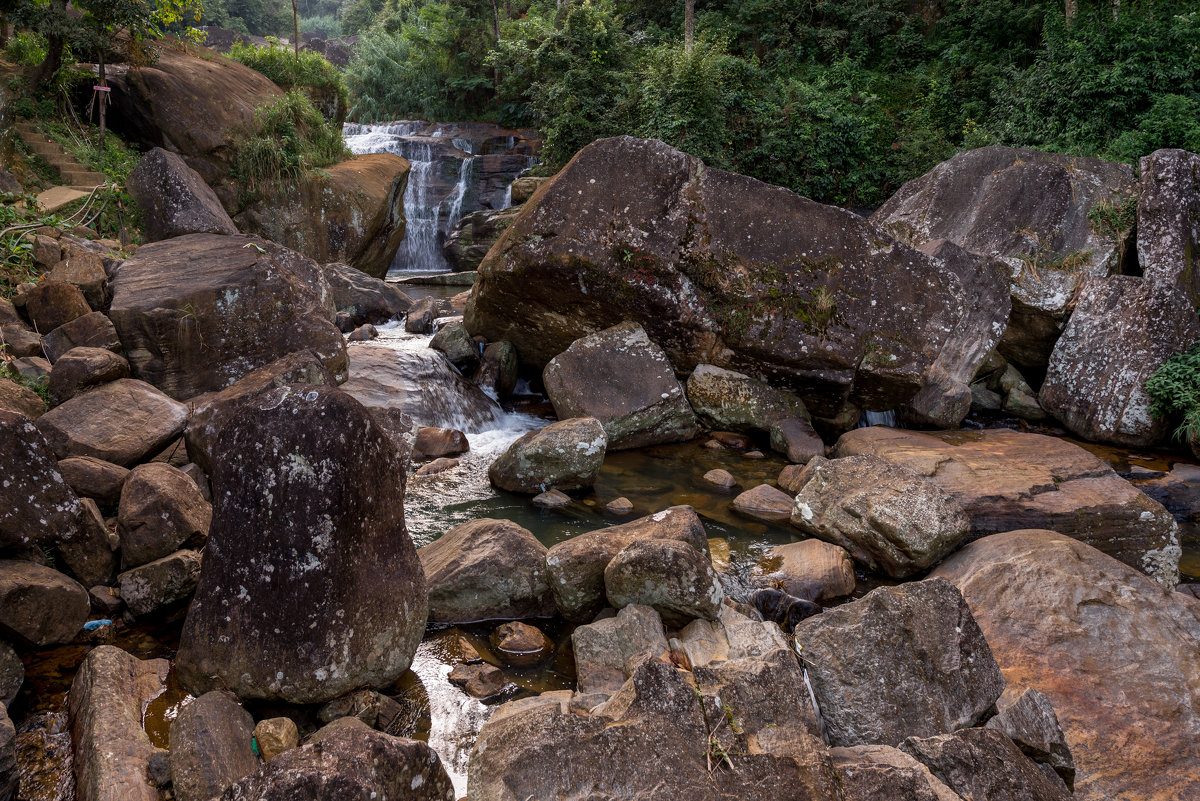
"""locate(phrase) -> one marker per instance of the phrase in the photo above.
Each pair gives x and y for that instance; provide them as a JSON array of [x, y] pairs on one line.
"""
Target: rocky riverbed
[[608, 518]]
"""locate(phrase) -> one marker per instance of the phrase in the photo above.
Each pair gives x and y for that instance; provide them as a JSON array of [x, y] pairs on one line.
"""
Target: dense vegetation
[[841, 100], [1174, 391]]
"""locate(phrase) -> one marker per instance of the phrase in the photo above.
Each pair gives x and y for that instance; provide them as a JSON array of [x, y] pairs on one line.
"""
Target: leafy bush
[[1174, 391], [289, 71], [290, 139], [26, 48], [327, 24]]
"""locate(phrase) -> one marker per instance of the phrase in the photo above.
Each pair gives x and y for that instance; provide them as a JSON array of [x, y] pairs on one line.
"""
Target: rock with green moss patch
[[730, 401], [564, 455]]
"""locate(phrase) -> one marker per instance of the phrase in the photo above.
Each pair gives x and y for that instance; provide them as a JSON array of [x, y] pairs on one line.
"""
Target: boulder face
[[1122, 330], [903, 661], [671, 576], [198, 312], [1065, 619], [565, 455], [720, 269], [39, 605], [188, 105], [353, 212], [174, 198], [1031, 210], [984, 763], [1007, 480], [730, 401], [365, 298], [473, 236], [309, 525], [624, 380], [1168, 215]]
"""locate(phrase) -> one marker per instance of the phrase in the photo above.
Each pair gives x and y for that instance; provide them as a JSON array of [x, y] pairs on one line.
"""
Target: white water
[[455, 717]]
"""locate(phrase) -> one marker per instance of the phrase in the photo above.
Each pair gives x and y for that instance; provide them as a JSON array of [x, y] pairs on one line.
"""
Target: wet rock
[[80, 369], [211, 746], [888, 517], [720, 478], [605, 650], [521, 645], [551, 499], [433, 442], [174, 199], [498, 369], [12, 674], [671, 576], [878, 665], [576, 566], [1007, 480], [1030, 210], [738, 442], [106, 703], [796, 440], [309, 521], [764, 502], [473, 236], [785, 610], [39, 605], [374, 709], [9, 779], [621, 378], [453, 342], [1064, 618], [1031, 724], [619, 506], [161, 510], [52, 303], [793, 477], [420, 316], [365, 298], [809, 569], [198, 312], [724, 399], [351, 762], [436, 466], [984, 763], [883, 773], [479, 680], [364, 333], [150, 587], [683, 254], [421, 384], [84, 270], [1121, 331], [486, 570], [122, 422], [274, 736], [212, 413], [44, 758], [93, 330], [565, 455], [1168, 234]]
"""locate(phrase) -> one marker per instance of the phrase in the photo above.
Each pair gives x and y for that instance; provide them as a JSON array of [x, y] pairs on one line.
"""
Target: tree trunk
[[496, 30], [296, 28], [54, 48], [689, 24], [102, 99], [1070, 8]]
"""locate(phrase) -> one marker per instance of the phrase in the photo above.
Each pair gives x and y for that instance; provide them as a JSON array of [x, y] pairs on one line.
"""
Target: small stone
[[621, 506], [479, 680], [764, 502], [437, 466], [714, 445], [721, 478], [554, 499], [754, 455], [739, 442], [433, 442], [364, 333], [274, 736], [521, 645]]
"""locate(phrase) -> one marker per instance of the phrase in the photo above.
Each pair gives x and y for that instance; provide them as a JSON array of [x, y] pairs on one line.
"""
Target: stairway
[[71, 172]]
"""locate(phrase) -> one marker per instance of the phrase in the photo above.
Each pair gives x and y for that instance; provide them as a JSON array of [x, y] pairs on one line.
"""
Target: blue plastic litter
[[92, 625]]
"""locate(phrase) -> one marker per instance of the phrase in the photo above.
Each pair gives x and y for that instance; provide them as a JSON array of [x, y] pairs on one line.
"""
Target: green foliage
[[290, 139], [307, 70], [326, 24], [26, 48], [40, 386], [256, 17], [1174, 391]]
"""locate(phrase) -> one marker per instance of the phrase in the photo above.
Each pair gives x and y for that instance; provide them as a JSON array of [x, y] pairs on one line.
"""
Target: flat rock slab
[[764, 502], [57, 197], [1008, 480]]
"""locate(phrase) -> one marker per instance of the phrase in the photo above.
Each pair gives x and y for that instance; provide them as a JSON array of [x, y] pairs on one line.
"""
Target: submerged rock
[[621, 378], [564, 455], [310, 587]]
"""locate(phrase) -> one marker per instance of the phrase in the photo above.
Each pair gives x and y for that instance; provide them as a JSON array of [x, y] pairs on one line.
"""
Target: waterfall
[[445, 181], [887, 418]]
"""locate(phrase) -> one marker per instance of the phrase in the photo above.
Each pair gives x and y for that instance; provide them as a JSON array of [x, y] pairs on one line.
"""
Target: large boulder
[[884, 773], [1034, 212], [80, 369], [352, 212], [1065, 619], [421, 384], [564, 455], [887, 516], [576, 566], [211, 746], [155, 585], [365, 298], [123, 422], [1007, 480], [351, 762], [605, 651], [107, 702], [1122, 330], [730, 401], [621, 378], [672, 577], [93, 330], [198, 312], [193, 105], [984, 763], [308, 524], [39, 605], [901, 662], [486, 570], [1168, 221], [473, 236], [719, 269], [174, 198]]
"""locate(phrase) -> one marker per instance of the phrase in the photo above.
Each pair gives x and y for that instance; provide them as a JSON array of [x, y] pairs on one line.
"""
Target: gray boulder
[[174, 198], [453, 342], [565, 455], [901, 662], [605, 650], [1031, 724], [161, 510], [1168, 221], [621, 378], [984, 763], [40, 606], [365, 298], [730, 401], [884, 773], [150, 587], [671, 576], [211, 746]]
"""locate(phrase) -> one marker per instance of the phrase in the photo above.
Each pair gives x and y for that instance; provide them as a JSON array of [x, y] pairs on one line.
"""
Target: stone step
[[45, 149], [82, 177]]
